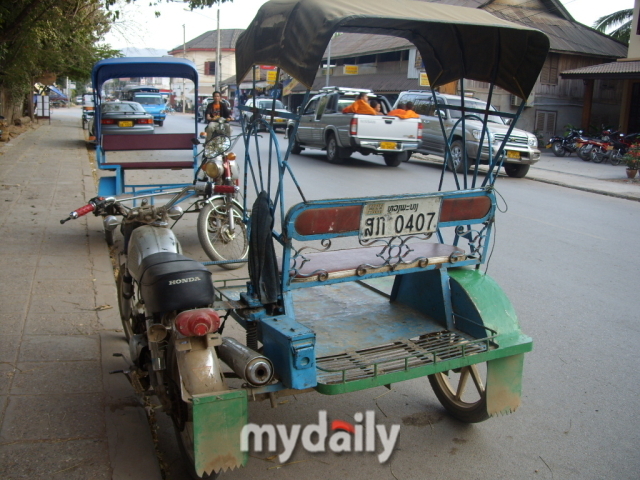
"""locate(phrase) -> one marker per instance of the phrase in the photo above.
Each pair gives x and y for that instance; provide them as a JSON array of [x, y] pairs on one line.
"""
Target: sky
[[140, 27]]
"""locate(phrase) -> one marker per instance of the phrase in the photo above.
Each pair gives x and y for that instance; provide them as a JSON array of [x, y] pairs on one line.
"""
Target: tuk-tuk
[[347, 294]]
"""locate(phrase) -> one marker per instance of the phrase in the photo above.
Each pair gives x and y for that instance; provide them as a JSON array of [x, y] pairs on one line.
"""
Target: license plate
[[512, 154], [388, 145], [280, 120], [125, 123], [548, 146], [396, 218]]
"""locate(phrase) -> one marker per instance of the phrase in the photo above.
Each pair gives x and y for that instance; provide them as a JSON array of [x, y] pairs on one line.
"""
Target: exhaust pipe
[[248, 364]]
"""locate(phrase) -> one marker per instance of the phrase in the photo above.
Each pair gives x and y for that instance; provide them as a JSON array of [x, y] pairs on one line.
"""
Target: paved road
[[568, 260]]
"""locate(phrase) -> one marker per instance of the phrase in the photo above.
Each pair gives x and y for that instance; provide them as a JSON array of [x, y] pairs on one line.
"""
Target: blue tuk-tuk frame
[[140, 67]]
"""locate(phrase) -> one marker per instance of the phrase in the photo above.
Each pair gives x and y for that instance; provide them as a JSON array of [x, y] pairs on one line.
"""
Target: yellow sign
[[424, 80], [272, 76], [350, 70]]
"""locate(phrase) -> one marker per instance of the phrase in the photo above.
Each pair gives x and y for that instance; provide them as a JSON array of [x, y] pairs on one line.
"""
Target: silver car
[[267, 104], [124, 118]]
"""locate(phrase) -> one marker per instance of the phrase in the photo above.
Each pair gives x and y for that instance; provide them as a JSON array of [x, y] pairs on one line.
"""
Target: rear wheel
[[558, 149], [295, 148], [516, 171], [182, 417], [395, 159], [161, 123], [462, 392], [334, 153], [216, 238]]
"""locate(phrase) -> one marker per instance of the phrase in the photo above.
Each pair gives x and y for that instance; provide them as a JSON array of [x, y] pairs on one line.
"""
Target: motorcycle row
[[609, 146]]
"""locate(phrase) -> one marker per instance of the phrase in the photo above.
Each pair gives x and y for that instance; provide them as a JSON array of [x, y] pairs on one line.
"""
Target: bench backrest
[[165, 141], [328, 219]]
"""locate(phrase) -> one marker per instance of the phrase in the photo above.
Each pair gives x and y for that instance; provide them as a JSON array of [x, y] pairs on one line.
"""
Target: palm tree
[[619, 21]]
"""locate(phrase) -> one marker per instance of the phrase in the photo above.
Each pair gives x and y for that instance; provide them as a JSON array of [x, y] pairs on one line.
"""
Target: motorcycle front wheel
[[558, 149], [584, 152], [597, 155], [616, 157], [217, 239]]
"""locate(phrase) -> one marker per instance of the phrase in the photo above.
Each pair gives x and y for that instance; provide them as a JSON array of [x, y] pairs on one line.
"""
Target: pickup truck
[[520, 150], [324, 126]]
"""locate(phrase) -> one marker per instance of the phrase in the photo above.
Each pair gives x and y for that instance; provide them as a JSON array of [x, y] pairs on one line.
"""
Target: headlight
[[213, 169], [533, 141], [487, 136]]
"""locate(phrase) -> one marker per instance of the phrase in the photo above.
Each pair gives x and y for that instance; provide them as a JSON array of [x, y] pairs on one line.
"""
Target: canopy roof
[[57, 92], [455, 42], [142, 67]]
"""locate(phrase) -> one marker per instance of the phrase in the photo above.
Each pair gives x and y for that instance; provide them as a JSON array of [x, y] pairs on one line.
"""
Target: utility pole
[[218, 66], [184, 55]]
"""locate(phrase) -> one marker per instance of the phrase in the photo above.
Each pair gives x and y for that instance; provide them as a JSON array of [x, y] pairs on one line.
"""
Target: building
[[625, 73], [202, 51]]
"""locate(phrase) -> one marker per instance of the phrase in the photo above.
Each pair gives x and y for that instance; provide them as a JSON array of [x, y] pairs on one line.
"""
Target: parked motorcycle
[[587, 143], [221, 228], [169, 315], [614, 149], [567, 144]]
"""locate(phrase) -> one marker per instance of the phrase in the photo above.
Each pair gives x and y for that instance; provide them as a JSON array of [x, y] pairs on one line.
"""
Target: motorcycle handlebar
[[89, 207]]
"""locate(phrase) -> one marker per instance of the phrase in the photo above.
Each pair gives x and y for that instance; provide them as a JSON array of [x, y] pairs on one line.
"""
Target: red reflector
[[353, 130], [420, 131], [197, 322], [107, 121], [469, 208]]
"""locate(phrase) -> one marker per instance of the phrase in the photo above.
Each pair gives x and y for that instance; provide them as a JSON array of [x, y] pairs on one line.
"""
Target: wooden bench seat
[[361, 261]]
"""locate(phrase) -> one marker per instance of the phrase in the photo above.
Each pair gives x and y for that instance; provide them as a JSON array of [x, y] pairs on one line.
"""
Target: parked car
[[520, 150], [267, 103], [123, 118], [324, 126], [78, 99]]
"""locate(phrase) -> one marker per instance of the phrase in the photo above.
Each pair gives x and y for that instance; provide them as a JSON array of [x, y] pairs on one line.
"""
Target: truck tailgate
[[387, 128]]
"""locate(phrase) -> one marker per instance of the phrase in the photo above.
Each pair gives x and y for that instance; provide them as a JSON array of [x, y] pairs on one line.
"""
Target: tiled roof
[[209, 40], [622, 69]]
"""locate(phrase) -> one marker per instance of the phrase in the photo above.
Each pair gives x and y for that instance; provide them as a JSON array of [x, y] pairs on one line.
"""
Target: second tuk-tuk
[[347, 294]]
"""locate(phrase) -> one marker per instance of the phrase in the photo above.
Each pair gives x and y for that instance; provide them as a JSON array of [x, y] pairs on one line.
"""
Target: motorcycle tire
[[181, 412], [616, 157], [597, 155], [584, 152], [213, 231], [558, 149]]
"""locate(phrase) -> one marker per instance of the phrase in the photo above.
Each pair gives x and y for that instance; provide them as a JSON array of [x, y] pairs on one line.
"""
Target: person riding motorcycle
[[216, 110]]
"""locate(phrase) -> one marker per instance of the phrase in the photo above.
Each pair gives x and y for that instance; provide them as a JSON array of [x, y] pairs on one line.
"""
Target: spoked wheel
[[182, 417], [597, 155], [616, 157], [462, 392], [584, 152], [558, 149], [217, 239]]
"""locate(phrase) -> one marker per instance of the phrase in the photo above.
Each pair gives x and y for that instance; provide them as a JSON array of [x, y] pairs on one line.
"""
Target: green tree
[[49, 37], [616, 24]]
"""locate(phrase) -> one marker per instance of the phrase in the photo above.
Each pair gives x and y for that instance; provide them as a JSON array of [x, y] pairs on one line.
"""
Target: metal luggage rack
[[402, 356]]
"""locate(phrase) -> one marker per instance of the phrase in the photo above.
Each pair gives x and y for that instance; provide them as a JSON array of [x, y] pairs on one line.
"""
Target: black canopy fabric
[[455, 42]]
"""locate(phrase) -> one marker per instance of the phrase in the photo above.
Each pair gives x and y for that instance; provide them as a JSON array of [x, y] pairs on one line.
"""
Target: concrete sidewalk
[[61, 414]]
